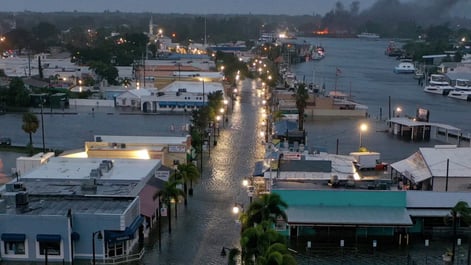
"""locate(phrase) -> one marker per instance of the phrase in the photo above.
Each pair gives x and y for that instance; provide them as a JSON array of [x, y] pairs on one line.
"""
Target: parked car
[[5, 141]]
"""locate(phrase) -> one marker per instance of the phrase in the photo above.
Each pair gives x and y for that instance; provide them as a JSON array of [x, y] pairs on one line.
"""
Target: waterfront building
[[170, 150], [440, 168], [67, 195], [181, 96], [58, 228], [326, 216]]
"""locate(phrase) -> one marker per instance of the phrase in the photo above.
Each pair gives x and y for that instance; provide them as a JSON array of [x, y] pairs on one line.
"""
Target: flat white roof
[[431, 161], [412, 123], [162, 140], [80, 168], [194, 87], [436, 159]]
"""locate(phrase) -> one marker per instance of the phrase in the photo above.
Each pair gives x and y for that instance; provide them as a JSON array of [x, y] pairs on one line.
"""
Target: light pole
[[363, 128], [42, 122], [99, 236]]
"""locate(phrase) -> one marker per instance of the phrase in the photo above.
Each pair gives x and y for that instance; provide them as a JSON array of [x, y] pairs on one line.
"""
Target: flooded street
[[207, 224]]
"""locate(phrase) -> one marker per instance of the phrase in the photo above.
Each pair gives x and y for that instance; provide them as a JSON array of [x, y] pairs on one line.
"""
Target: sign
[[292, 156], [164, 175], [163, 211], [176, 149]]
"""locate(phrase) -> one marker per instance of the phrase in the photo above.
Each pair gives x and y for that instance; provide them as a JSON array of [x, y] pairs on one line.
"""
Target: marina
[[367, 75]]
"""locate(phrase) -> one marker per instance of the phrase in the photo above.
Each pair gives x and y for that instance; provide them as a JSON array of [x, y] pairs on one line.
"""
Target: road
[[207, 224]]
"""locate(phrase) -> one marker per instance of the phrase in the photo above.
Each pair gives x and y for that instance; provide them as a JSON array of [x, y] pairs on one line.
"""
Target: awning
[[127, 234], [48, 238], [414, 168], [348, 216], [428, 212], [14, 237], [259, 169]]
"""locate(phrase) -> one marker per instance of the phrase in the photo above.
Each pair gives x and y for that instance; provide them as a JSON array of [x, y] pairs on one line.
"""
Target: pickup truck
[[5, 141]]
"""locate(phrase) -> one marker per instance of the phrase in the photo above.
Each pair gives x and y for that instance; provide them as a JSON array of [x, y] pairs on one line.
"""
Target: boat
[[392, 50], [368, 35], [404, 67], [318, 53], [438, 84], [462, 90]]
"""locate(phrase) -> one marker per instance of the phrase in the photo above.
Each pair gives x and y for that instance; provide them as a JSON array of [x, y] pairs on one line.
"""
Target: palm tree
[[460, 211], [277, 254], [188, 173], [169, 192], [302, 95], [256, 241], [268, 207], [30, 125]]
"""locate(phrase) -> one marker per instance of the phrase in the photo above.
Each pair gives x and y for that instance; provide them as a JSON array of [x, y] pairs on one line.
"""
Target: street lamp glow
[[218, 118], [226, 102], [245, 182], [221, 110], [363, 128], [235, 209], [398, 111]]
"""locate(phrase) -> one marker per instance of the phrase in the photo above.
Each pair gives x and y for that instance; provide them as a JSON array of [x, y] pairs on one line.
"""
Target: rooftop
[[60, 205], [80, 169]]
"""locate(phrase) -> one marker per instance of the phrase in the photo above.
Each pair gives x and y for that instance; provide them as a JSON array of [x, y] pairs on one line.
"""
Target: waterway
[[366, 74]]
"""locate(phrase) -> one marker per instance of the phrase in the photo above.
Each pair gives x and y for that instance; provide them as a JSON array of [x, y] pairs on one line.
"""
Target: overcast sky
[[288, 7]]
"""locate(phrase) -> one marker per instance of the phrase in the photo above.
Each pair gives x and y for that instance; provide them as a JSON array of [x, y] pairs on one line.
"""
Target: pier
[[411, 129]]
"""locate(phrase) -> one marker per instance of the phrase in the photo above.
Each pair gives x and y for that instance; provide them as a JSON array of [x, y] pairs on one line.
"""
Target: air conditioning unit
[[21, 199]]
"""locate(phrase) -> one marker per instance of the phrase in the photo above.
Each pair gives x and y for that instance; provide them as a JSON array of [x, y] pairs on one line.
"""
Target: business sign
[[163, 211], [292, 156], [176, 149], [163, 175]]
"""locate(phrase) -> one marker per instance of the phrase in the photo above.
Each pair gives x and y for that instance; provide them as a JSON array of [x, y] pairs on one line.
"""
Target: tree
[[265, 245], [268, 207], [17, 95], [460, 211], [30, 125], [167, 194], [188, 173], [302, 95]]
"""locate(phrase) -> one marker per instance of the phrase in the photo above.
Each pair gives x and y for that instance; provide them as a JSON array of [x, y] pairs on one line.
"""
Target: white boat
[[404, 68], [368, 35], [462, 90], [438, 84]]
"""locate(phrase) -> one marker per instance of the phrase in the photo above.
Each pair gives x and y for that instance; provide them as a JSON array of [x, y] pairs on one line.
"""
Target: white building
[[180, 96], [439, 168]]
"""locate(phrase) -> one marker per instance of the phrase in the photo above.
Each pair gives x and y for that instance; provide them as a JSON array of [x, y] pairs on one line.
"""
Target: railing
[[122, 259]]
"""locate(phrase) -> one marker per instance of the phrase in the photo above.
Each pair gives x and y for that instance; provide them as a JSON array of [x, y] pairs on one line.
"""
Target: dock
[[411, 129]]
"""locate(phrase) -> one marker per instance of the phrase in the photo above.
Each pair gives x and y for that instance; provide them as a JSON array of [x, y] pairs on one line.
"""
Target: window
[[14, 248], [13, 244], [53, 248], [116, 249], [50, 245]]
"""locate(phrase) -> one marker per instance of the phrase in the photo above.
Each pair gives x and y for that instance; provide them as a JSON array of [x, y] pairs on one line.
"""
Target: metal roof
[[348, 215], [413, 123], [161, 140], [60, 205], [435, 200], [436, 160], [80, 168], [432, 161]]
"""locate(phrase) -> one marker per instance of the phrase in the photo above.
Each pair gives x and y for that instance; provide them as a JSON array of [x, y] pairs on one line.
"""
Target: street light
[[237, 208], [398, 111], [363, 128], [42, 122], [98, 235]]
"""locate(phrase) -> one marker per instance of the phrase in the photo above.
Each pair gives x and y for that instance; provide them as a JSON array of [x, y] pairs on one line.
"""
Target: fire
[[322, 32]]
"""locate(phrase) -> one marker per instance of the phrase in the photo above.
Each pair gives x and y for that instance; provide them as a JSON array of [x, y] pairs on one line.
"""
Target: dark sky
[[288, 7]]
